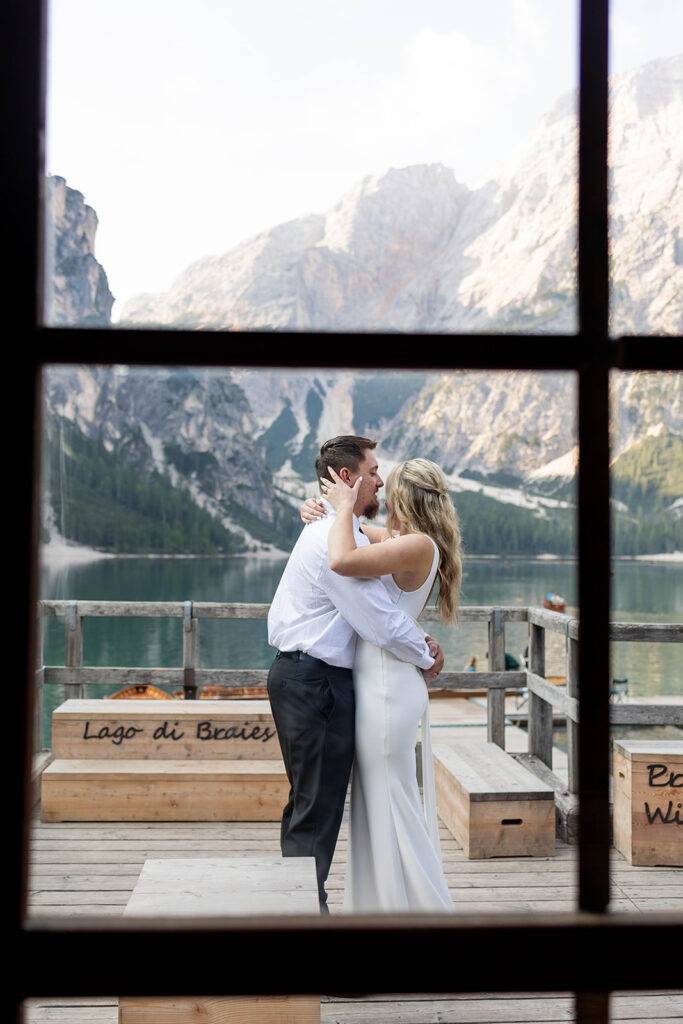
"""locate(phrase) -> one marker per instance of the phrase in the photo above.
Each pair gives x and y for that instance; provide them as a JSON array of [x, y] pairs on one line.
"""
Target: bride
[[394, 857]]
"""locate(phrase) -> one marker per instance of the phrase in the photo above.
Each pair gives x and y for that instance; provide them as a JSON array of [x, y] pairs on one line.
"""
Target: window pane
[[393, 167], [646, 157], [647, 600], [184, 485]]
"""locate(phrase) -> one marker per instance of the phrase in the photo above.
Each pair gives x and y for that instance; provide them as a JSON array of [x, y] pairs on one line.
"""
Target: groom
[[313, 621]]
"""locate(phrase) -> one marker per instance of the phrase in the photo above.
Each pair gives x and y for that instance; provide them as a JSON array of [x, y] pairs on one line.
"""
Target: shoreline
[[73, 554], [61, 554]]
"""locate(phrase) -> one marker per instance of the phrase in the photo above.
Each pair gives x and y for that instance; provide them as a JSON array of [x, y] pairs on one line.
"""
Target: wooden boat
[[228, 693], [436, 692], [140, 691], [233, 693], [554, 602]]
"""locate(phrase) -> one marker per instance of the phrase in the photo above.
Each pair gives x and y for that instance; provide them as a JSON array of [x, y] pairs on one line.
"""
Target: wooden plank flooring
[[87, 869], [637, 1008]]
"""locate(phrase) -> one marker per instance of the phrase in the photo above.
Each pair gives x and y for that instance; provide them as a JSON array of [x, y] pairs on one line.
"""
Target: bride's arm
[[375, 534], [403, 554]]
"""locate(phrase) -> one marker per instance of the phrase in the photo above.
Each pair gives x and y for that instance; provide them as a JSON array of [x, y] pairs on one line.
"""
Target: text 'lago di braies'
[[166, 731]]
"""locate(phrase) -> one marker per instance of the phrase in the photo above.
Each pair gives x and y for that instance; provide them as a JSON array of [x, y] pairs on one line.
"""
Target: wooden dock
[[81, 869]]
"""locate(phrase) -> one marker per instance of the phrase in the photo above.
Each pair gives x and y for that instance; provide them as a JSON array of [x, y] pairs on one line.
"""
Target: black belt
[[343, 674], [300, 656]]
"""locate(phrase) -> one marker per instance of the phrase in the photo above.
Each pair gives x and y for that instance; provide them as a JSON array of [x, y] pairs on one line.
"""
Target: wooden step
[[86, 789], [140, 729], [493, 805], [211, 887], [225, 886]]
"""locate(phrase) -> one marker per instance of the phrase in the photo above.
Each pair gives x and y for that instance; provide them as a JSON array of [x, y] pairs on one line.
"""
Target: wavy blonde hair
[[417, 496]]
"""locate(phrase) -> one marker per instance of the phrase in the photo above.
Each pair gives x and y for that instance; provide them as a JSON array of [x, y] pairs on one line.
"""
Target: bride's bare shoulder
[[420, 543], [415, 538]]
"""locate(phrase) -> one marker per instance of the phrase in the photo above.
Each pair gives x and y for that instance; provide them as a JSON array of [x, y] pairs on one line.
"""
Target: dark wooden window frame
[[590, 951]]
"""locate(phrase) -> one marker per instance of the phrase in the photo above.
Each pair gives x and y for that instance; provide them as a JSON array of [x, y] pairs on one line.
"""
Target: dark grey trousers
[[313, 707]]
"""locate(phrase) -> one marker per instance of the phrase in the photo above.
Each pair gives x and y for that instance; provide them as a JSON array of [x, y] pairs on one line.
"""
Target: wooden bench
[[648, 801], [150, 760], [494, 806], [221, 888], [139, 729], [109, 790]]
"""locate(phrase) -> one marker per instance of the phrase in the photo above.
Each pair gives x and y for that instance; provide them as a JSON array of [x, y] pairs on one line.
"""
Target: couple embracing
[[348, 686]]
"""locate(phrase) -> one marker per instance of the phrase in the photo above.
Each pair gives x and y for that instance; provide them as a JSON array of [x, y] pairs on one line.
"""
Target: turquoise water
[[640, 592]]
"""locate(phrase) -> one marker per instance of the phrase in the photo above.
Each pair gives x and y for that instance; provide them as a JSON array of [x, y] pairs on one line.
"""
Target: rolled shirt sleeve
[[368, 609]]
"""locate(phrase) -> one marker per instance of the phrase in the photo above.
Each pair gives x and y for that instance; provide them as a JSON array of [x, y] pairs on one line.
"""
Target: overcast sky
[[190, 126]]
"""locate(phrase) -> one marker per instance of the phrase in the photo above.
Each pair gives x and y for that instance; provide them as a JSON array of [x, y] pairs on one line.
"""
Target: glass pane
[[646, 155], [645, 158], [173, 486], [647, 610], [365, 166]]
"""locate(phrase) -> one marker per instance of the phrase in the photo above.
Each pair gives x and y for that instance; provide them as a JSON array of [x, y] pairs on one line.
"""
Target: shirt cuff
[[427, 661]]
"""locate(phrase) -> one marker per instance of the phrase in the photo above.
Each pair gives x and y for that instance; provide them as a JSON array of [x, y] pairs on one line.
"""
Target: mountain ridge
[[407, 249], [413, 249]]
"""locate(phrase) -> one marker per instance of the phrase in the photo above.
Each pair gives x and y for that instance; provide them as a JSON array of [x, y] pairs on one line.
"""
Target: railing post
[[572, 727], [540, 711], [190, 652], [73, 623], [592, 1007], [38, 681], [495, 698]]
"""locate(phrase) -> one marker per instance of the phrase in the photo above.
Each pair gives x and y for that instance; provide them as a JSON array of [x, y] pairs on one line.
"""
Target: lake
[[643, 592]]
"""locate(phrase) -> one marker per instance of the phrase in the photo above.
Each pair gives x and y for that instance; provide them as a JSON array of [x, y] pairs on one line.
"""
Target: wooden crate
[[223, 887], [648, 801], [139, 729], [494, 806], [110, 790]]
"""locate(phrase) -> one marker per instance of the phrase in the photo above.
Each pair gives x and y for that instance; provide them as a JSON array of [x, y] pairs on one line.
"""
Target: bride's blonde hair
[[417, 496]]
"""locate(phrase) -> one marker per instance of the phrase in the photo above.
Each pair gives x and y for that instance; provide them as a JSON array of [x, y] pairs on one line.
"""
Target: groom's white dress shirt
[[319, 612]]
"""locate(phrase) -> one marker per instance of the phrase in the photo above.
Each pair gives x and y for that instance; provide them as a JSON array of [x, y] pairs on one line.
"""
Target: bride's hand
[[339, 494], [311, 510]]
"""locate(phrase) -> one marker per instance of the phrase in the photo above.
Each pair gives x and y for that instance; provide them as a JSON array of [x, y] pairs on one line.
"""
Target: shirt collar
[[332, 512]]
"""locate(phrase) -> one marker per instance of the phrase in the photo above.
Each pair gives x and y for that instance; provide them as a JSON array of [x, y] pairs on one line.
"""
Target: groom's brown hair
[[347, 450]]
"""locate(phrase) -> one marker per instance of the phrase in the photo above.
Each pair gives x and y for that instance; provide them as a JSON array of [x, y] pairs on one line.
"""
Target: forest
[[101, 500]]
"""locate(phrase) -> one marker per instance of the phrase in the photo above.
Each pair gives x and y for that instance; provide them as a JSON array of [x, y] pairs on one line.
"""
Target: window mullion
[[594, 514]]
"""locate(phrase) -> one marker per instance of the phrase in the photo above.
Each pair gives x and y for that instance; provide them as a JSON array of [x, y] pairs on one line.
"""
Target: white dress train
[[394, 855]]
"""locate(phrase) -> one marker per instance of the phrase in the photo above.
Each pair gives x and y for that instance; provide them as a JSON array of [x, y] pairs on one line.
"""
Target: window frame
[[588, 951]]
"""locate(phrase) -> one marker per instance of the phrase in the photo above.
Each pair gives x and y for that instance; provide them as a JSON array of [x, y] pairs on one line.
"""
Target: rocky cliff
[[77, 291], [192, 430], [413, 249]]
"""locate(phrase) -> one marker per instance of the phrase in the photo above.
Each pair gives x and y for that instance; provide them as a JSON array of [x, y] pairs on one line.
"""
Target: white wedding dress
[[394, 855]]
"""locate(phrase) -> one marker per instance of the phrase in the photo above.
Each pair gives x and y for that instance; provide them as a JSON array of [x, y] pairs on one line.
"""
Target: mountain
[[180, 431], [412, 249], [415, 250], [77, 291], [646, 215]]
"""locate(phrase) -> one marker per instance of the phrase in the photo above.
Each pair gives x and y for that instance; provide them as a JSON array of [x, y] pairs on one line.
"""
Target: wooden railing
[[543, 696]]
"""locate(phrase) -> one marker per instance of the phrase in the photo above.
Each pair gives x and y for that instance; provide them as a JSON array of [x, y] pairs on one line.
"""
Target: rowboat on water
[[140, 691]]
